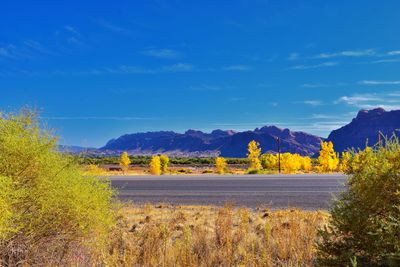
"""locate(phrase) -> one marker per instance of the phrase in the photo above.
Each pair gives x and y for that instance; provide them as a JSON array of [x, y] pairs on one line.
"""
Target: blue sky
[[99, 69]]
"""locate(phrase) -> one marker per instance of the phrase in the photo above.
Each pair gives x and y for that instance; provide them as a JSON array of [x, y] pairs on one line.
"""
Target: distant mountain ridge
[[219, 142], [228, 143], [365, 128]]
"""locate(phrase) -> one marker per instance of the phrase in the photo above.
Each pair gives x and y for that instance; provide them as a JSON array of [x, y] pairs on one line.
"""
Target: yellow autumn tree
[[124, 161], [290, 163], [306, 164], [345, 162], [254, 155], [155, 165], [269, 161], [164, 160], [328, 160], [220, 165]]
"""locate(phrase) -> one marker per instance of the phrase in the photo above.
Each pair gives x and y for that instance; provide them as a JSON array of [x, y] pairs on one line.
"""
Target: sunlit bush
[[49, 212], [365, 223]]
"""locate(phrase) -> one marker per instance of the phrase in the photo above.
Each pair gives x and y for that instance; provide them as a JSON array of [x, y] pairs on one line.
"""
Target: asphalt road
[[275, 191]]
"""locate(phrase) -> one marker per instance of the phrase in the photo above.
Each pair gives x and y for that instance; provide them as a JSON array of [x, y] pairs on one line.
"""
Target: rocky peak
[[364, 113]]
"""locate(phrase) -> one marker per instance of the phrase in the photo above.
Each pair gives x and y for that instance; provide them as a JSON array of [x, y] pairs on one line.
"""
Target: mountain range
[[363, 129], [218, 142]]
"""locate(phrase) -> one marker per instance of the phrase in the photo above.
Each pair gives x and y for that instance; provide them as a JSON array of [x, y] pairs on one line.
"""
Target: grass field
[[163, 235]]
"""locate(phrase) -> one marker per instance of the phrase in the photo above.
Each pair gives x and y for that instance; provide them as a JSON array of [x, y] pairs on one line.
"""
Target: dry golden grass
[[164, 235]]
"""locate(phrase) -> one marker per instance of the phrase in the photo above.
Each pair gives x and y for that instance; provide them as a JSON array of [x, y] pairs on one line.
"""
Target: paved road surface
[[277, 191]]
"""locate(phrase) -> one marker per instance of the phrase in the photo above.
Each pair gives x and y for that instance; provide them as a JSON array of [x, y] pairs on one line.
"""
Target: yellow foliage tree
[[155, 165], [220, 165], [290, 163], [254, 155], [269, 161], [306, 164], [345, 162], [164, 160], [124, 161], [328, 160]]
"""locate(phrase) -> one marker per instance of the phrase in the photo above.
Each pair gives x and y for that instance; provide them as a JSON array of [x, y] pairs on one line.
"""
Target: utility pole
[[379, 139], [278, 140]]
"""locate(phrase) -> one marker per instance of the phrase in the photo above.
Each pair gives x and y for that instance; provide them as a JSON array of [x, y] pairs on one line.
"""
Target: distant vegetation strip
[[145, 160]]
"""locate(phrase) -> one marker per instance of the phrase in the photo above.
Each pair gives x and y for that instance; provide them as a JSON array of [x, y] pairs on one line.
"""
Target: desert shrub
[[365, 222], [187, 171], [50, 213], [94, 170]]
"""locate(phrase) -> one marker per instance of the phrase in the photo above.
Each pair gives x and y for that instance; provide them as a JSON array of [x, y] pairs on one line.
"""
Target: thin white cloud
[[394, 53], [179, 67], [358, 100], [237, 99], [75, 41], [10, 51], [35, 46], [321, 65], [162, 53], [388, 60], [323, 116], [347, 53], [4, 52], [236, 68], [112, 27], [206, 87], [313, 85], [124, 69], [386, 101], [293, 56], [310, 102], [72, 30], [375, 82]]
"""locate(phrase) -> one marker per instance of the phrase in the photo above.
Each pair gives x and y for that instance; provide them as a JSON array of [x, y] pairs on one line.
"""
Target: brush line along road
[[276, 191]]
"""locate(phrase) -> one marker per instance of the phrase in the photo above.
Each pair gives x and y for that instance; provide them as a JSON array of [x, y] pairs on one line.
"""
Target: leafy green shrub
[[365, 222], [49, 213]]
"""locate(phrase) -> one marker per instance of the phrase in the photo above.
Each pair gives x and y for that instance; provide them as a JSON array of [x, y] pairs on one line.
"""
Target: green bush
[[49, 213], [365, 222]]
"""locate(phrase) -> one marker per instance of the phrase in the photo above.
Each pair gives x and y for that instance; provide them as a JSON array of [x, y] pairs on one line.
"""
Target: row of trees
[[158, 164], [328, 161]]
